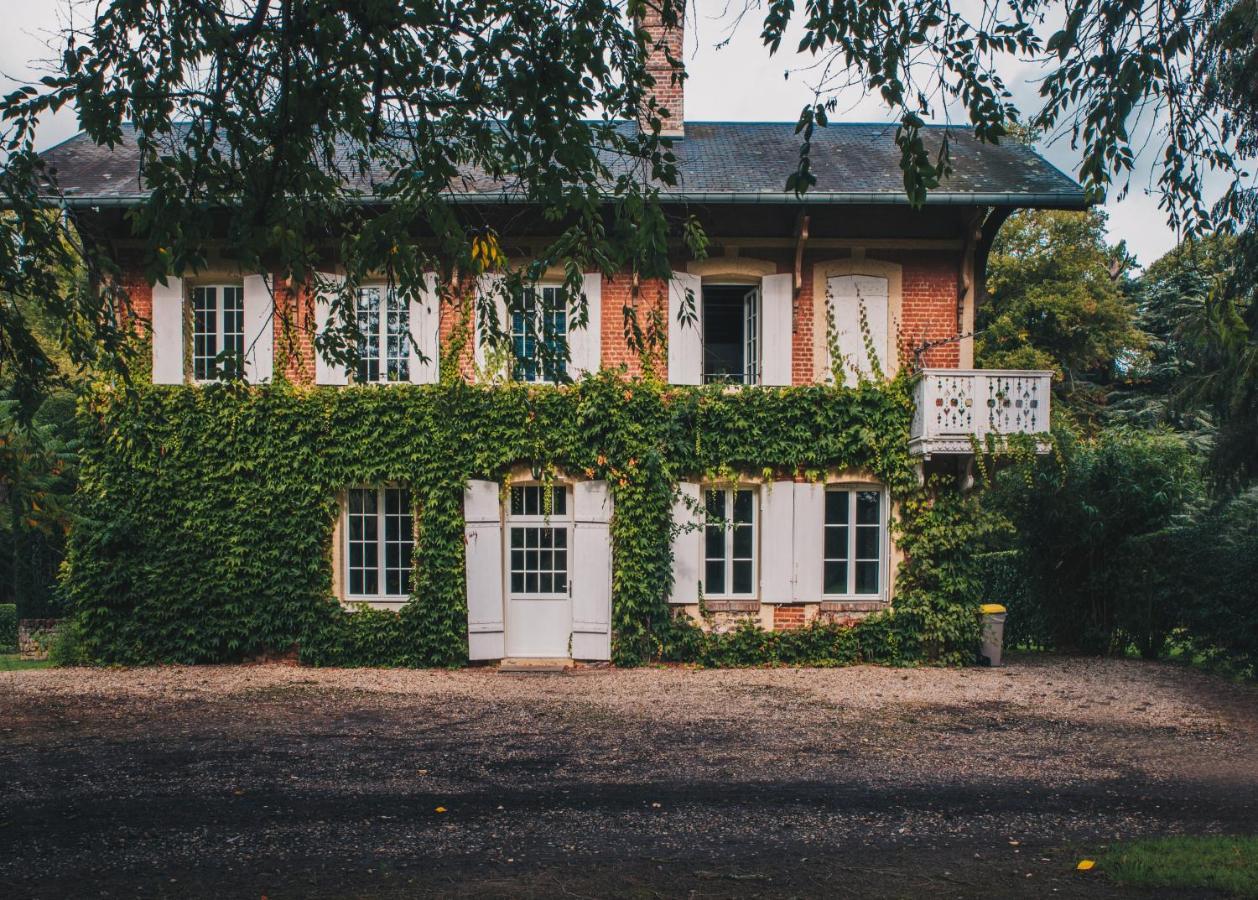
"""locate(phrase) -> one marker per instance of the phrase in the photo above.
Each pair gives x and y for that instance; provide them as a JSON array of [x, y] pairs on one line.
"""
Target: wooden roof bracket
[[801, 241], [987, 236]]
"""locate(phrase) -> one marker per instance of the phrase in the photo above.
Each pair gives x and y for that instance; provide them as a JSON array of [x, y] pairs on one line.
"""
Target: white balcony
[[957, 406]]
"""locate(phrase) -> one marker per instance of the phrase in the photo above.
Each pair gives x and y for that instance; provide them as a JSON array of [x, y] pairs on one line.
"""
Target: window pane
[[744, 506], [714, 542], [836, 507], [397, 342], [742, 577], [554, 333], [517, 504], [836, 542], [368, 315], [867, 577], [835, 578], [205, 333], [867, 543], [867, 507], [559, 501], [233, 330], [744, 541], [714, 577], [715, 501]]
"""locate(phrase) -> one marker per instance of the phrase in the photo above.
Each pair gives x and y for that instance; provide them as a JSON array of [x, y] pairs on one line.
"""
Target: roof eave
[[1069, 201]]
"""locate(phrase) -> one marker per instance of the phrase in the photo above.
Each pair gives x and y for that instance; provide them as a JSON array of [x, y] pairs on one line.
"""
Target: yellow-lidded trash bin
[[993, 640]]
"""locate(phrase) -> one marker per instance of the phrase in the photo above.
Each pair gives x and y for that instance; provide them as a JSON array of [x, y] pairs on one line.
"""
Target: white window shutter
[[167, 323], [425, 324], [585, 345], [259, 330], [777, 545], [809, 536], [687, 543], [776, 323], [488, 285], [482, 536], [327, 371], [685, 340], [591, 571], [847, 293]]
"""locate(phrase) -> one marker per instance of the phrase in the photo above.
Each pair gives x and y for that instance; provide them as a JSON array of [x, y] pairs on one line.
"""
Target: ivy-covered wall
[[207, 513]]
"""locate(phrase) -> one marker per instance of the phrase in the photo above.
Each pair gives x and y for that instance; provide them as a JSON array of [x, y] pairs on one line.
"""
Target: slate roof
[[743, 162]]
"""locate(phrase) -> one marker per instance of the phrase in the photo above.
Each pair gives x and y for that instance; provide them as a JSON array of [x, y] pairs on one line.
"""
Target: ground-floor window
[[539, 525], [379, 543], [855, 537], [729, 556]]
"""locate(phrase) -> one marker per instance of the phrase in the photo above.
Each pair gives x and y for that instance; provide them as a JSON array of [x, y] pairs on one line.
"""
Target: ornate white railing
[[954, 406]]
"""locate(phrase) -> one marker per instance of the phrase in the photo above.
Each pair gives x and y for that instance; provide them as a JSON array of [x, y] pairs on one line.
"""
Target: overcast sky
[[736, 82]]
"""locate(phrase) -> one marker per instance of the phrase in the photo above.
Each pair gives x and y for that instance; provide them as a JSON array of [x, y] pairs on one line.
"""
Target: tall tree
[[1058, 301]]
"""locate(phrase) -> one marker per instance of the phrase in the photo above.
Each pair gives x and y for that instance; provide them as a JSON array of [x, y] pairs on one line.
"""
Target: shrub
[[1098, 532], [8, 627]]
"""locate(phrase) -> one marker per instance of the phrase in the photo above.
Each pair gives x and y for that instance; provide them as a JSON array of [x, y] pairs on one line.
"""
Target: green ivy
[[207, 513]]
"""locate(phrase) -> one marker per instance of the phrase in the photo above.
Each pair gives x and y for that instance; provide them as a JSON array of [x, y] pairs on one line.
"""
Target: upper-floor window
[[729, 543], [731, 334], [855, 531], [218, 331], [540, 322], [383, 341], [379, 543]]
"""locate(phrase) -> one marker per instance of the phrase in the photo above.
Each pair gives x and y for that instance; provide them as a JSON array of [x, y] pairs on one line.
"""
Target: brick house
[[901, 282]]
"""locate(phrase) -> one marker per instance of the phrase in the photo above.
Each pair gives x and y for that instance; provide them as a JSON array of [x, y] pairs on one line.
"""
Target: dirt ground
[[277, 781]]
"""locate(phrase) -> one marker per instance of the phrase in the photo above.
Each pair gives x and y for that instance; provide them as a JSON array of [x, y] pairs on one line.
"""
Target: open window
[[731, 334]]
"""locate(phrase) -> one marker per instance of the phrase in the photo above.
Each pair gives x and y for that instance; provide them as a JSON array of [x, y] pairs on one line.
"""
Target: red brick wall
[[787, 616], [929, 306]]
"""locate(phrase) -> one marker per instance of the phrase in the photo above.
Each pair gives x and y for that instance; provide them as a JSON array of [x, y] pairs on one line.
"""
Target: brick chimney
[[667, 41]]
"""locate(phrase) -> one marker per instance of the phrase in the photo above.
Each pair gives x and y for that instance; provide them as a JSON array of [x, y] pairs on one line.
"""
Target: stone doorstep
[[525, 666]]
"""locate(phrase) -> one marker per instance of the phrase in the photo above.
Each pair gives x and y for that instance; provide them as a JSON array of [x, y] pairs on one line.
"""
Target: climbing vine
[[207, 512]]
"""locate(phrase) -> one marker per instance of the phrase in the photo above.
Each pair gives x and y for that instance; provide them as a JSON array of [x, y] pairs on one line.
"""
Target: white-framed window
[[538, 543], [855, 541], [383, 343], [541, 321], [218, 331], [729, 542], [379, 543], [731, 334]]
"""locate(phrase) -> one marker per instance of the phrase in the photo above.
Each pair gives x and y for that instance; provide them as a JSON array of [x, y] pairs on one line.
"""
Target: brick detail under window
[[850, 606], [738, 606], [787, 616]]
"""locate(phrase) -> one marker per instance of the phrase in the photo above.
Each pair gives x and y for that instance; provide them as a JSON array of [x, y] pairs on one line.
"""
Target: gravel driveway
[[279, 781]]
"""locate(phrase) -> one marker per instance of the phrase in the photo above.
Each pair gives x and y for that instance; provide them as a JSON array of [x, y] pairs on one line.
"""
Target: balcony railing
[[955, 406]]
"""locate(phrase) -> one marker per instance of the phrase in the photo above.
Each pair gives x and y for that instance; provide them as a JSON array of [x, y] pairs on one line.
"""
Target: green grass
[[11, 662], [1219, 863]]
